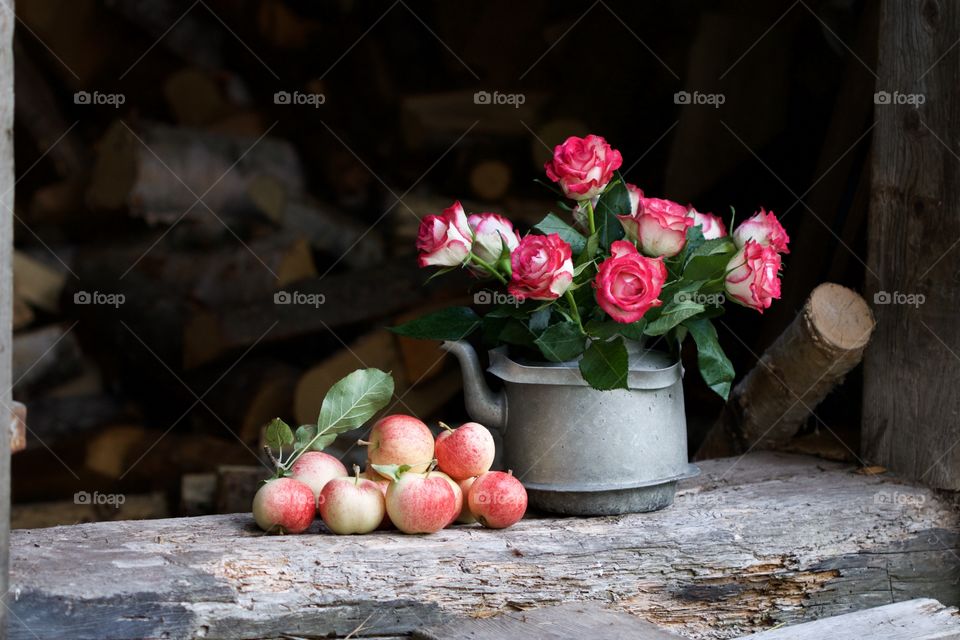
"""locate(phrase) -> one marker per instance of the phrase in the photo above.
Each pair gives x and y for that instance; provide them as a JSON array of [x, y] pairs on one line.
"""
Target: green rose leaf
[[673, 314], [604, 365], [452, 323], [715, 368], [553, 224], [708, 267], [561, 342], [279, 434], [613, 202], [354, 400]]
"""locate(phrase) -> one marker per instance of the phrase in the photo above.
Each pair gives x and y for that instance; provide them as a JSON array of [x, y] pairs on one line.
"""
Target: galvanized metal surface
[[580, 451]]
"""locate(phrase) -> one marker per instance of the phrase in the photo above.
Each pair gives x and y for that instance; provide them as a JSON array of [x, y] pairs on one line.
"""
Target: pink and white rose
[[445, 240], [583, 166], [710, 225], [628, 284], [542, 268], [753, 276], [491, 232], [764, 228], [659, 226]]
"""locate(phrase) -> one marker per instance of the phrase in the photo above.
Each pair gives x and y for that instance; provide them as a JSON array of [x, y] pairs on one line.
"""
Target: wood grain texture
[[751, 543], [910, 401], [7, 184], [920, 619]]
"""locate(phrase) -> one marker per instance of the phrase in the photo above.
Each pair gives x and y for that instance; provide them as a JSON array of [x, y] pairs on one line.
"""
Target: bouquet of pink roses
[[628, 267]]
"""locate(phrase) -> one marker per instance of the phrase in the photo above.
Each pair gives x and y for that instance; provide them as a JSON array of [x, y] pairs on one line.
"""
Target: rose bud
[[763, 228], [491, 233], [753, 276], [628, 284], [710, 225], [445, 240], [542, 268], [583, 166], [660, 226]]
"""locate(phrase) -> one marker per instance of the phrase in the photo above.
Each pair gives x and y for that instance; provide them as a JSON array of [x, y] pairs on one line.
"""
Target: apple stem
[[446, 426], [509, 472], [433, 465], [363, 443], [356, 474], [273, 458]]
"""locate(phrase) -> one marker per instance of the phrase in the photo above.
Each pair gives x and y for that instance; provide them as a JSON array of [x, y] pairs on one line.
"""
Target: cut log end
[[840, 316]]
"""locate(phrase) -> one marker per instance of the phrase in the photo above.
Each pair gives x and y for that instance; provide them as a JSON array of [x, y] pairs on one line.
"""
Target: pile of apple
[[412, 482]]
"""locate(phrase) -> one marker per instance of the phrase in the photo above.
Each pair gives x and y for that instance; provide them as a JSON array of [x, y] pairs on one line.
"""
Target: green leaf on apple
[[604, 365], [715, 368], [392, 471], [353, 400], [279, 434], [452, 323]]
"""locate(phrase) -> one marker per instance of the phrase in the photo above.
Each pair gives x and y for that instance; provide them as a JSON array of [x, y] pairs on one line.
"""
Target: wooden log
[[195, 97], [490, 179], [194, 36], [89, 507], [43, 357], [198, 493], [313, 306], [236, 486], [38, 111], [757, 541], [56, 419], [37, 282], [22, 313], [909, 405], [823, 343], [158, 171]]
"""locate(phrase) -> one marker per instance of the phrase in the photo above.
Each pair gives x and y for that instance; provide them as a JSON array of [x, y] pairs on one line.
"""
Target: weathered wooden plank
[[7, 184], [754, 542], [910, 409], [572, 621], [920, 619]]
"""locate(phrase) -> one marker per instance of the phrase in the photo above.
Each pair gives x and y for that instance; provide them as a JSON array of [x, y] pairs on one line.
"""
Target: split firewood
[[18, 427], [195, 97], [22, 313], [195, 36], [328, 230], [158, 172], [490, 179], [38, 111], [198, 492], [43, 357], [37, 283], [812, 356], [77, 31], [282, 28], [250, 395], [55, 419], [236, 486], [315, 306], [89, 506]]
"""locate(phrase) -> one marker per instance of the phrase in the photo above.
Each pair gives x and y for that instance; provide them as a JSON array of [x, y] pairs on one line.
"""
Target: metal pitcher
[[580, 451]]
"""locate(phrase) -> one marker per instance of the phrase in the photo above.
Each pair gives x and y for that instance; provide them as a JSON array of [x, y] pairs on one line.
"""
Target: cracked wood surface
[[751, 543]]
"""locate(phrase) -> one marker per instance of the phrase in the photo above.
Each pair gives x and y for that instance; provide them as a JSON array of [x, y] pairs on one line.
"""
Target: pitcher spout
[[485, 406]]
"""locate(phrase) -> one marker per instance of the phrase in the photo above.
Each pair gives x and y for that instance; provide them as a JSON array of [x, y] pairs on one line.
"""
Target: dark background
[[398, 136]]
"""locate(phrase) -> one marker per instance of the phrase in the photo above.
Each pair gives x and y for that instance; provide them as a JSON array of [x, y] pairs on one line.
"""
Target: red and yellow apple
[[400, 440], [421, 502], [466, 451], [497, 499], [315, 469], [284, 505], [352, 505]]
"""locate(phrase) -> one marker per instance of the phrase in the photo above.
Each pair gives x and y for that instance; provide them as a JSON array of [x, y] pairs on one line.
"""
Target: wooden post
[[6, 286], [910, 402]]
